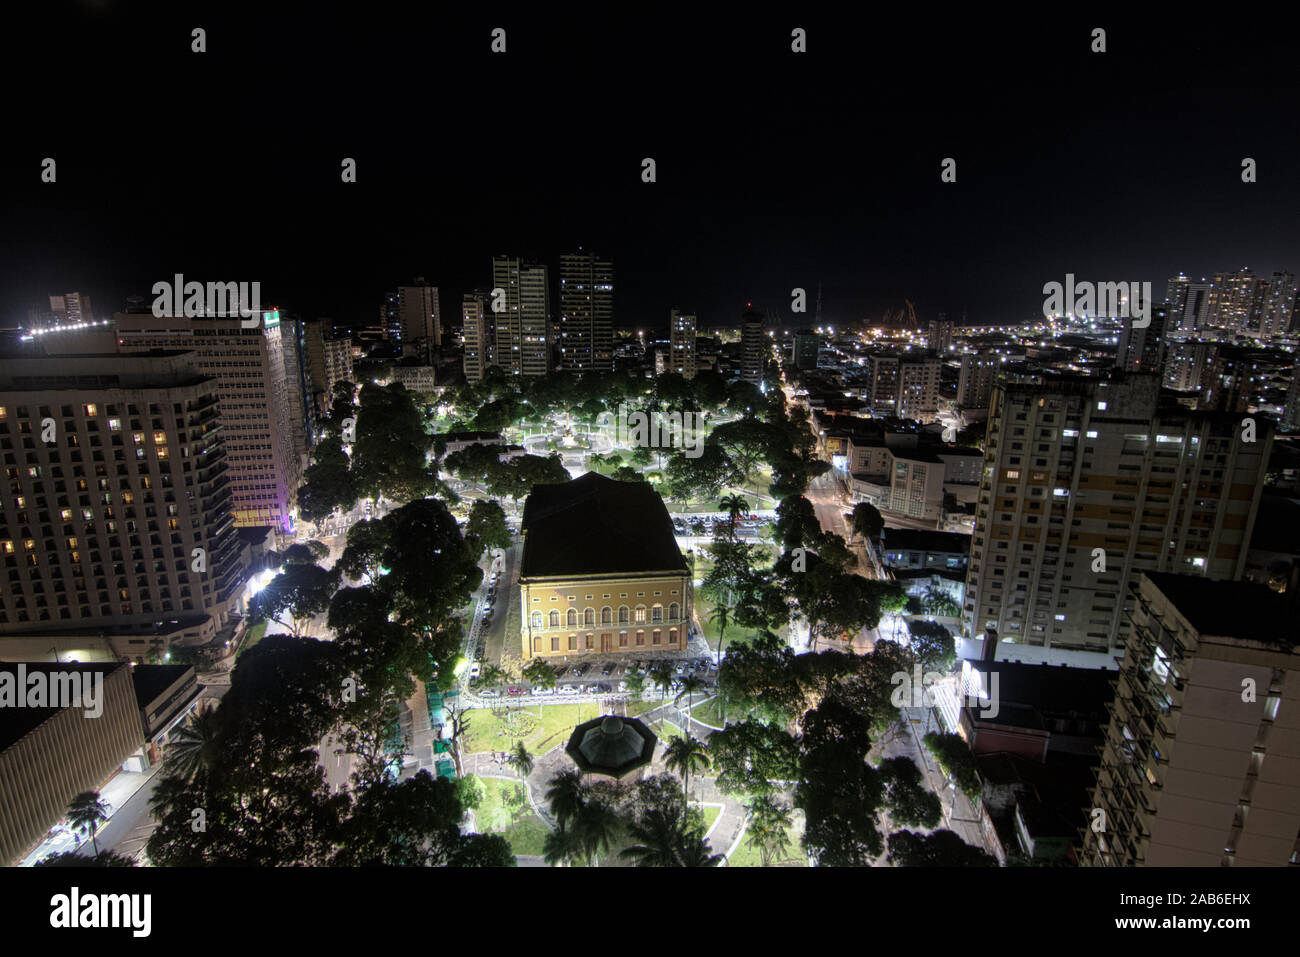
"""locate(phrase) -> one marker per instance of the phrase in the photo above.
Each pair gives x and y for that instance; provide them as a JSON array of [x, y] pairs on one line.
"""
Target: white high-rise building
[[522, 325], [257, 407], [681, 340]]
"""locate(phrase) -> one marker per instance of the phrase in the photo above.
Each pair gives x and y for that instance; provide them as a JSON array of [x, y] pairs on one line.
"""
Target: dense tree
[[685, 756], [839, 792], [955, 757], [390, 456], [297, 594], [796, 523], [753, 758], [908, 800], [486, 528], [867, 521], [933, 645], [938, 849], [75, 859], [85, 813], [328, 483]]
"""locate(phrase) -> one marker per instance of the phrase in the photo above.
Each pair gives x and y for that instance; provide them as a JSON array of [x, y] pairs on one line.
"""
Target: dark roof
[[1051, 689], [959, 450], [595, 525], [152, 680], [920, 539], [1277, 526], [611, 745], [1230, 609], [15, 723]]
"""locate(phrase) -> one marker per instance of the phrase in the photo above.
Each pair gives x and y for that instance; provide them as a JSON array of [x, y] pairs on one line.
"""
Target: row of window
[[624, 640], [625, 615]]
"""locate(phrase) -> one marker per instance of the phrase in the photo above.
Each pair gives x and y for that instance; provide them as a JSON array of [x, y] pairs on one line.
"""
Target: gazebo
[[611, 745]]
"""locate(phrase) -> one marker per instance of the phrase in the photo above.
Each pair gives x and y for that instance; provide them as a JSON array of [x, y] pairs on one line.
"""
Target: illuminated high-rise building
[[586, 313], [522, 324], [681, 344]]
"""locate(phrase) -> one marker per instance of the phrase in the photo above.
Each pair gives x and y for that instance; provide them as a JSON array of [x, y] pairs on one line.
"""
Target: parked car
[[567, 690], [514, 691], [622, 686], [489, 693], [474, 670], [542, 691], [609, 666]]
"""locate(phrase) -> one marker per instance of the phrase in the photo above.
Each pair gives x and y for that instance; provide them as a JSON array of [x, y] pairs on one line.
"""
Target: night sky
[[774, 170]]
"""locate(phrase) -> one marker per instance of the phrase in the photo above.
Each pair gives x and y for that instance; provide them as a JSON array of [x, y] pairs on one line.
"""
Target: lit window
[[91, 411], [159, 438], [115, 425], [1070, 433], [1092, 435], [1101, 406], [1198, 562], [7, 547], [1060, 618], [1060, 492], [1013, 473]]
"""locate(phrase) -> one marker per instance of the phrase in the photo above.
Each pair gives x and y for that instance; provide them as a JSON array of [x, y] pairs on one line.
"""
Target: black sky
[[774, 170]]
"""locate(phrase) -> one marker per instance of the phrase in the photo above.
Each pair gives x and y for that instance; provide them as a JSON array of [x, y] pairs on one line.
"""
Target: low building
[[922, 548], [601, 571], [48, 755]]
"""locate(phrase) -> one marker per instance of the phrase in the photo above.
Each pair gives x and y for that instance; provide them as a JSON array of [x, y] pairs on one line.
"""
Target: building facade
[[265, 466], [586, 313], [523, 324], [1197, 771], [681, 342], [118, 517], [601, 571], [1088, 482]]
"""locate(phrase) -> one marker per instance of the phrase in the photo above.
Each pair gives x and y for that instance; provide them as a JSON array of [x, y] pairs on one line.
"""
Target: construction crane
[[911, 315]]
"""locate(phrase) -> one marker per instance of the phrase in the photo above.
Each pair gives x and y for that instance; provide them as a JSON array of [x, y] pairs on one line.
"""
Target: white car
[[622, 686], [543, 692], [567, 690], [474, 669], [489, 693]]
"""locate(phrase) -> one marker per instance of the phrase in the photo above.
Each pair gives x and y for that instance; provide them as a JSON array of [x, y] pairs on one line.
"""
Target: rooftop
[[594, 525], [1219, 608]]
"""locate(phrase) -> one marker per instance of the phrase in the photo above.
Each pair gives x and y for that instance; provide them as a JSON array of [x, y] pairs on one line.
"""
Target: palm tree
[[595, 827], [661, 673], [721, 617], [733, 505], [567, 796], [85, 813], [690, 684], [665, 839], [561, 847], [194, 746], [769, 822], [683, 756], [522, 762]]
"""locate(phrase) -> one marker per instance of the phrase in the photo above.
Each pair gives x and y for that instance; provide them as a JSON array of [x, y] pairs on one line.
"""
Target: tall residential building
[[1291, 414], [479, 330], [1088, 482], [1142, 348], [523, 339], [1233, 300], [1188, 363], [1278, 306], [419, 315], [586, 313], [116, 472], [1234, 378], [807, 349], [329, 361], [681, 343], [753, 347], [1201, 766], [940, 338], [918, 387], [69, 309], [1189, 305], [882, 390], [975, 382], [257, 407]]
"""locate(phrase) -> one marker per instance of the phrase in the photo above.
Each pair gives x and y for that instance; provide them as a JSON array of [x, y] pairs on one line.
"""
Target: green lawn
[[747, 855], [710, 812], [704, 608], [254, 635], [710, 713], [553, 723], [518, 824]]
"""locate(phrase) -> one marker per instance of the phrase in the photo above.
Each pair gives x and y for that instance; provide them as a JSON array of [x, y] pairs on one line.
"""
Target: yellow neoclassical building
[[601, 571]]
